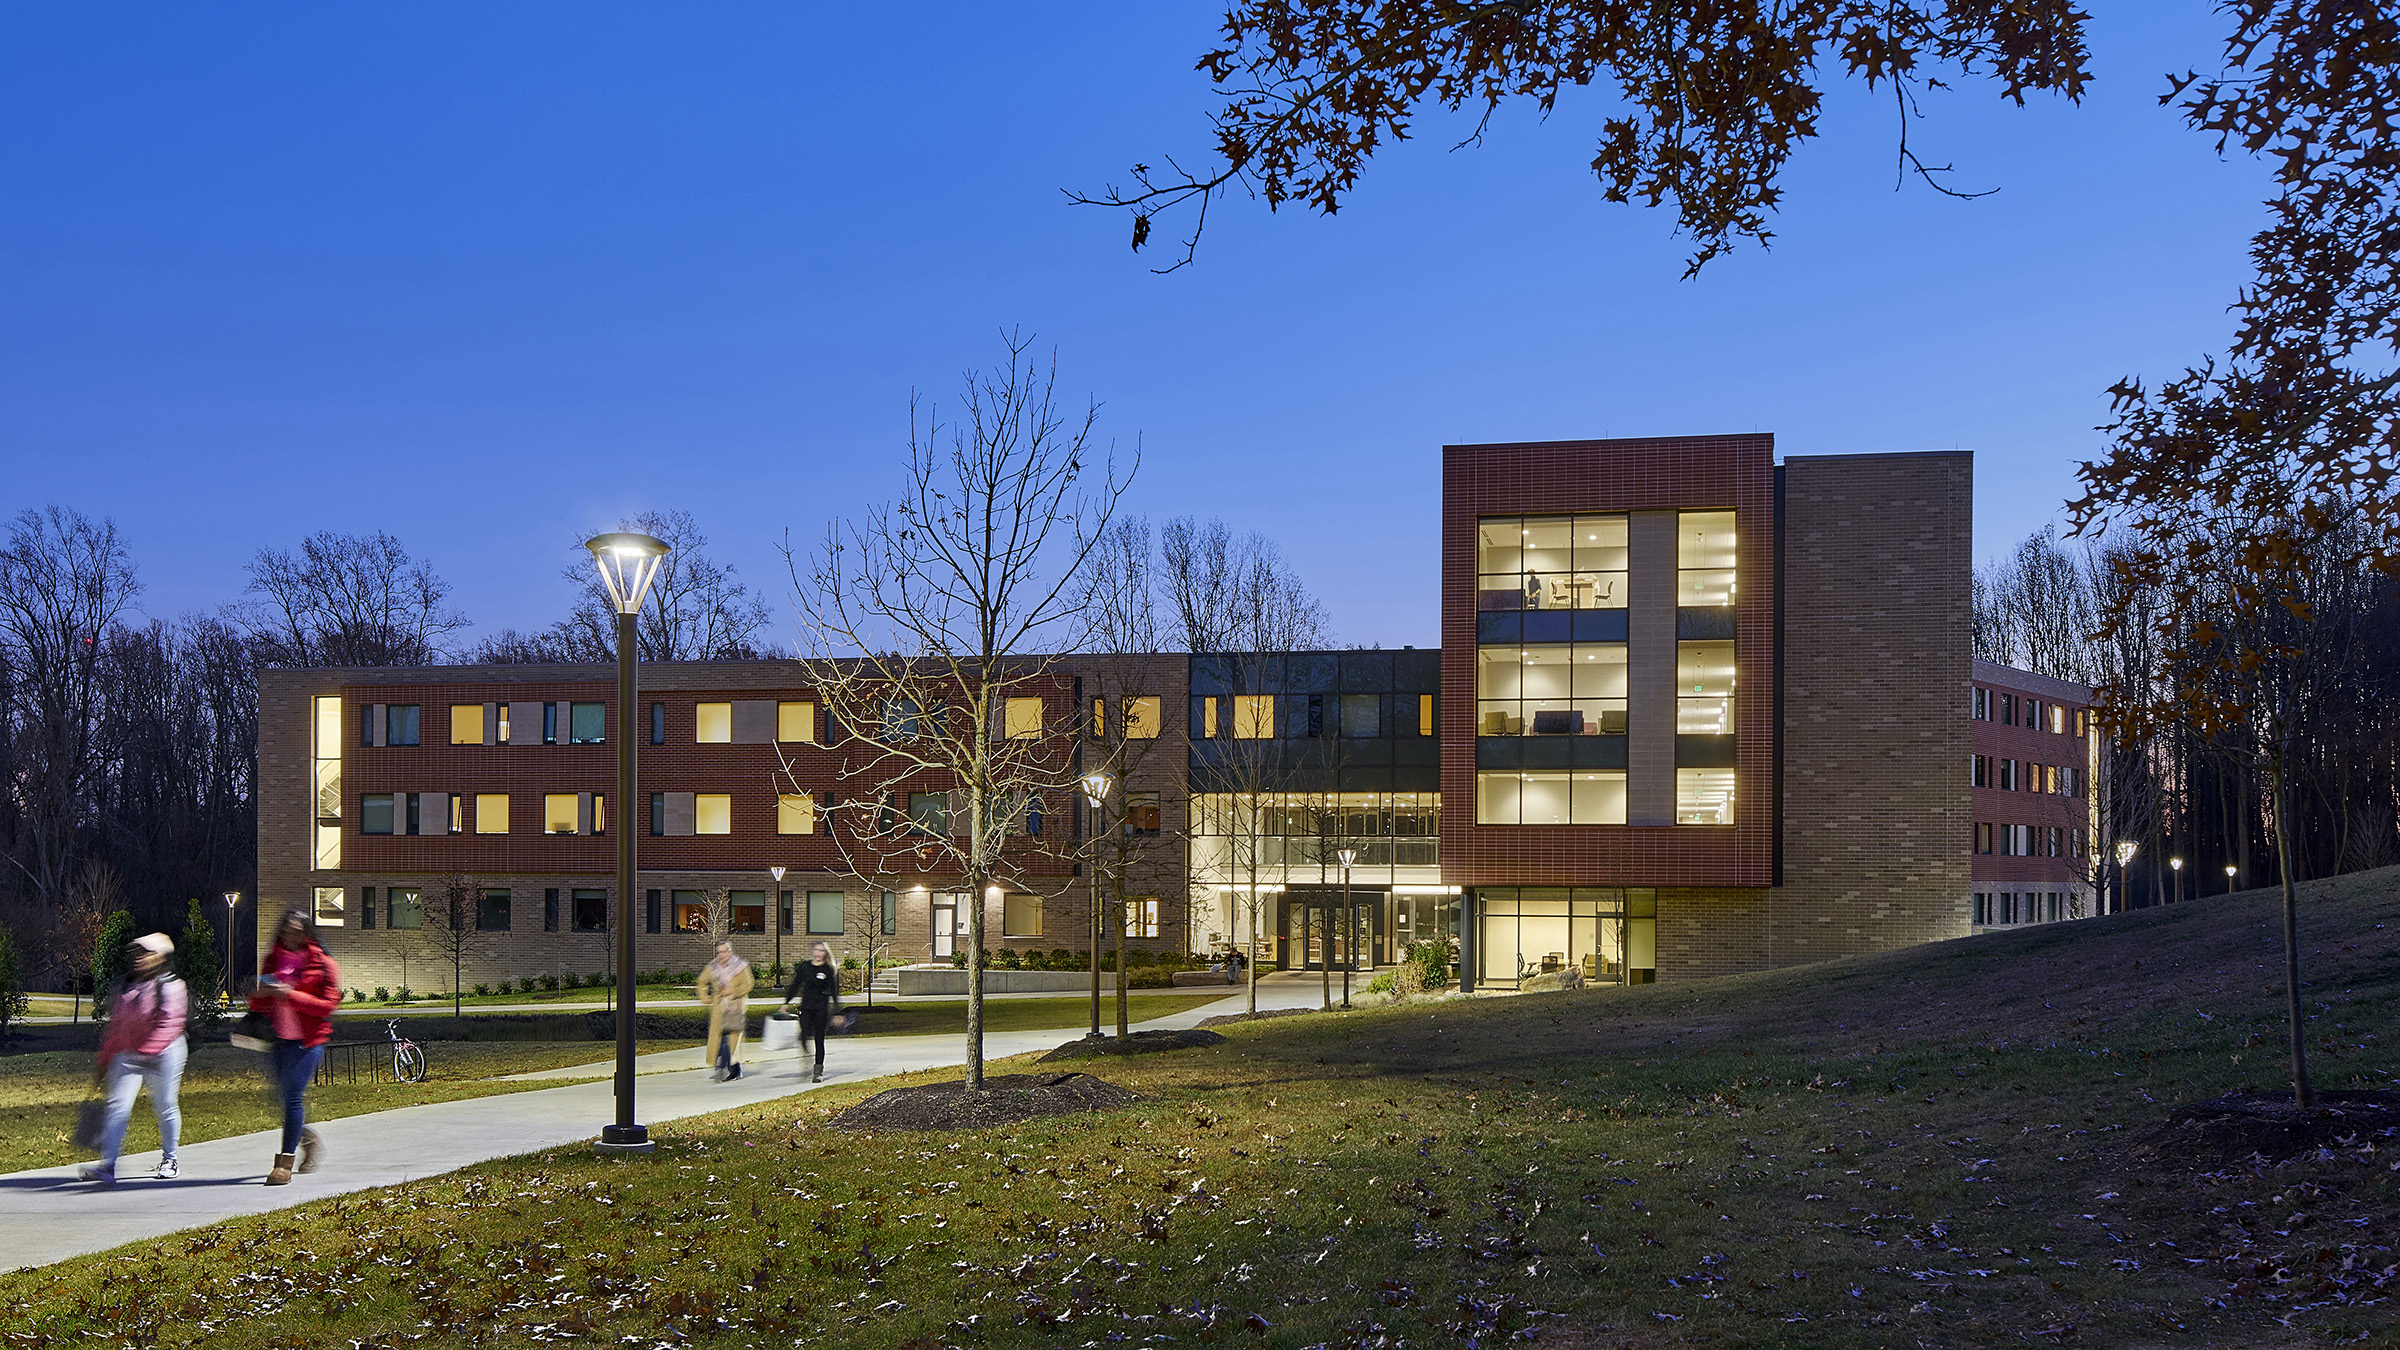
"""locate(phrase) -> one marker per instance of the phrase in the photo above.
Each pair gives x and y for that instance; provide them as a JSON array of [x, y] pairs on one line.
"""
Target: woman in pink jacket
[[143, 1047], [299, 989]]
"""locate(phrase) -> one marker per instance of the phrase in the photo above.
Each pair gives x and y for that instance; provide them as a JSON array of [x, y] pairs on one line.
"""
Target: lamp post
[[232, 898], [2230, 872], [783, 915], [2126, 848], [2177, 864], [628, 563], [1095, 791], [1349, 922]]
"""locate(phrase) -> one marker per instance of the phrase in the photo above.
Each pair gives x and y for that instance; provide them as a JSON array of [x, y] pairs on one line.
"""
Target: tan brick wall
[[1712, 931], [1876, 596]]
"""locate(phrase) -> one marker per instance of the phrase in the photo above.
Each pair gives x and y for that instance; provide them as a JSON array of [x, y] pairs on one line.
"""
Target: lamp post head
[[1096, 785], [2176, 863], [775, 872], [2230, 869], [628, 563], [1348, 857], [232, 898], [2126, 848]]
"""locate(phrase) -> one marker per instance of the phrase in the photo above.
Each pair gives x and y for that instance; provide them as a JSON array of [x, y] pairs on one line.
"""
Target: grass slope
[[1919, 1148]]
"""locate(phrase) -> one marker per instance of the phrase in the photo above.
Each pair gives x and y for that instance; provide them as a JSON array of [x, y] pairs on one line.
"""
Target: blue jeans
[[295, 1068], [162, 1073]]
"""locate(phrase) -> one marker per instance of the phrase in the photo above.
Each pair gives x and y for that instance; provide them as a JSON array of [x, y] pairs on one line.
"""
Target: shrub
[[958, 960], [1141, 956], [382, 994], [358, 996], [851, 962], [401, 995], [1149, 977], [485, 990], [570, 981], [1387, 983], [550, 982], [601, 980]]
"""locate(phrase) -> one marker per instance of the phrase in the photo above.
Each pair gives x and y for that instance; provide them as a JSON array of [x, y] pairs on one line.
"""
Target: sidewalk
[[50, 1216]]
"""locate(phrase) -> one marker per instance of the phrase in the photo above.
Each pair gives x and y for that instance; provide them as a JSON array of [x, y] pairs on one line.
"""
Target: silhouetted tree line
[[129, 744], [2202, 794]]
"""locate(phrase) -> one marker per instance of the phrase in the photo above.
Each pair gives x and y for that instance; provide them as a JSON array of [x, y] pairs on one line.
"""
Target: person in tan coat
[[725, 988]]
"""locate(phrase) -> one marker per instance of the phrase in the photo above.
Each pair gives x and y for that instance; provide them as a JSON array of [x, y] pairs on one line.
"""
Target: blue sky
[[489, 276]]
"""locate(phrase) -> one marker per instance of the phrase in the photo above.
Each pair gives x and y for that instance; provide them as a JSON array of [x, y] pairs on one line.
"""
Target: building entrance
[[1312, 927]]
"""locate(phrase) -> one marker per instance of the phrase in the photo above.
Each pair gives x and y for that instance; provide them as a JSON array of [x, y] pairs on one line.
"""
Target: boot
[[819, 1076], [281, 1173], [312, 1151]]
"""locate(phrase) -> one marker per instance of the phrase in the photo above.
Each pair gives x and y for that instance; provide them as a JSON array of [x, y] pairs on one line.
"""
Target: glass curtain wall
[[1605, 934]]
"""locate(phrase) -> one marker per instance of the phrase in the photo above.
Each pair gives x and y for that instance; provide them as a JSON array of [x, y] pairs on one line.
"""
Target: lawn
[[931, 1016], [225, 1093], [1921, 1148]]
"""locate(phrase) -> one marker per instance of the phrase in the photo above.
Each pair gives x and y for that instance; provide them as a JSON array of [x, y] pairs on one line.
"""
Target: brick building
[[1694, 712], [2037, 813]]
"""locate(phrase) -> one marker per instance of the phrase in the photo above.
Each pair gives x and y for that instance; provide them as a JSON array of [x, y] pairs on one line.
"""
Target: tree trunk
[[975, 929], [2303, 1096], [1121, 977]]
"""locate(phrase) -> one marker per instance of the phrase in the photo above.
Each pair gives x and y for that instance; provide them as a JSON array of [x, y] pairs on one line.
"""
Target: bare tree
[[450, 930], [698, 610], [931, 628], [64, 580], [1236, 604], [348, 600], [550, 647]]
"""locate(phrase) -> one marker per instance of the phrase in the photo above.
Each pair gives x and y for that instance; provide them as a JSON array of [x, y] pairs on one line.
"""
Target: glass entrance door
[[945, 927]]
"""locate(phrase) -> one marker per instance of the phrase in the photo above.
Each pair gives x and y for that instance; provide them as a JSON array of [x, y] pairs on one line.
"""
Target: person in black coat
[[817, 986]]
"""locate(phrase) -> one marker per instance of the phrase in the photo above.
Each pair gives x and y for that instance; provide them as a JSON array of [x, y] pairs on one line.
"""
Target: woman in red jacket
[[299, 988]]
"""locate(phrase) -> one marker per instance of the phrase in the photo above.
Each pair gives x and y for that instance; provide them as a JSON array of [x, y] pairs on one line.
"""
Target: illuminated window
[[588, 912], [587, 723], [1141, 813], [331, 902], [1253, 717], [466, 724], [1021, 916], [1141, 917], [326, 776], [1704, 559], [749, 910], [1141, 717], [1424, 714], [1581, 797], [712, 813], [713, 723], [795, 813], [491, 813], [1704, 796], [1550, 689], [1551, 562], [691, 911], [1703, 688], [1022, 719], [796, 722], [559, 813]]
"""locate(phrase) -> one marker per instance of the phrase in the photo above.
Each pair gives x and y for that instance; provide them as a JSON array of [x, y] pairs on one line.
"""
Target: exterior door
[[945, 928]]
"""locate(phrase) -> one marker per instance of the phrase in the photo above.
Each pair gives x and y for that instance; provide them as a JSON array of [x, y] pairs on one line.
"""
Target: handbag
[[254, 1032], [91, 1122], [782, 1031]]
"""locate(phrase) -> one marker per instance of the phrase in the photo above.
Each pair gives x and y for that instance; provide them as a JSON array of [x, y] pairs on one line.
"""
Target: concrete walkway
[[50, 1216]]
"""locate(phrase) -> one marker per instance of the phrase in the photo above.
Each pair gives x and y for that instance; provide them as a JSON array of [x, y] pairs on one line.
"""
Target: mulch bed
[[2240, 1127], [1005, 1100], [1139, 1043], [1259, 1016]]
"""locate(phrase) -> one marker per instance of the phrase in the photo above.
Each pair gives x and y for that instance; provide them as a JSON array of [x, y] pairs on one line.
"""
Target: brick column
[[1650, 671]]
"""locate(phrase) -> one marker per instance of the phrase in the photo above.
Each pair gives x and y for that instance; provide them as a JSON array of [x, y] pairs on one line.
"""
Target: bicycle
[[408, 1062]]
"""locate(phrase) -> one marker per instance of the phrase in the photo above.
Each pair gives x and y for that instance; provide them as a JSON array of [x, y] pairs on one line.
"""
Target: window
[[1558, 798], [1983, 770], [929, 812], [400, 724], [1253, 717], [1141, 917], [650, 908], [587, 723], [658, 813], [1704, 796], [559, 813], [491, 813], [407, 908], [1021, 916], [712, 813], [375, 813], [2033, 713], [1362, 714], [691, 911], [366, 907], [1141, 717], [1704, 558], [1983, 705], [658, 724], [415, 807], [466, 724], [825, 913], [1704, 688], [1551, 562], [1550, 689], [749, 911], [2050, 779], [1424, 714], [1983, 908], [891, 914], [2008, 775], [1204, 719], [550, 909], [586, 911], [1021, 719], [2008, 710], [458, 814], [900, 719], [796, 722], [2057, 842], [327, 776], [331, 901], [1141, 813], [2083, 722], [491, 912], [713, 723], [1983, 836], [795, 813]]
